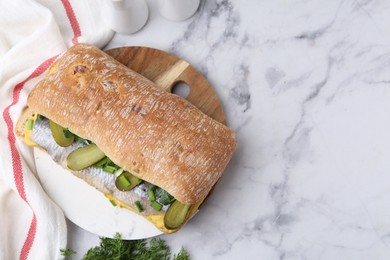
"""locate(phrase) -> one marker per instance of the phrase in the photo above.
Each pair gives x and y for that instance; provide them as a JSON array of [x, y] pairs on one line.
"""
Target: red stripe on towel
[[73, 20], [16, 161], [30, 239]]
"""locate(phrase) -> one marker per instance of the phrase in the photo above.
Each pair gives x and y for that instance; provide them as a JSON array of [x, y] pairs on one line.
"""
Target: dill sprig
[[182, 255], [67, 253], [118, 249]]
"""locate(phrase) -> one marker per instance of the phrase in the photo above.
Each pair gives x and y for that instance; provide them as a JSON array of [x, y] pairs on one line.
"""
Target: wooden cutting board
[[166, 70]]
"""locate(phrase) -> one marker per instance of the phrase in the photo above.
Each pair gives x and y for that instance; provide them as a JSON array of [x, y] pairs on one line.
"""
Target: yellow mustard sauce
[[157, 220]]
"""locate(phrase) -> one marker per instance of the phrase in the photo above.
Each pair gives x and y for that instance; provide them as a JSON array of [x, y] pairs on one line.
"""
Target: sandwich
[[145, 149]]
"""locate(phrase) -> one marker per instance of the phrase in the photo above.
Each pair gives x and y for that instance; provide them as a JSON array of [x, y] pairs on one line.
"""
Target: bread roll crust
[[158, 136]]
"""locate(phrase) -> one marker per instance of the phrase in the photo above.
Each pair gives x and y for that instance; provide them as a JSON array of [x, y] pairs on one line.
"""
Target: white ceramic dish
[[87, 207]]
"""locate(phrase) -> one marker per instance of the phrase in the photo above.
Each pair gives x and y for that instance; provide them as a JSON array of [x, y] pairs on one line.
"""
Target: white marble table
[[306, 85]]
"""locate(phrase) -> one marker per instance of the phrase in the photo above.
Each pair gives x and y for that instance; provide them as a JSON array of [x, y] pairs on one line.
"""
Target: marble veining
[[306, 86]]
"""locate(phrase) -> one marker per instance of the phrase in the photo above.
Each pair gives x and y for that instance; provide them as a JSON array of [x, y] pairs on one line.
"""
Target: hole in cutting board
[[181, 89]]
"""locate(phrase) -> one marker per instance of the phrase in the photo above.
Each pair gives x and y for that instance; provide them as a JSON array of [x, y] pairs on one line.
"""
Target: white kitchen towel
[[32, 35]]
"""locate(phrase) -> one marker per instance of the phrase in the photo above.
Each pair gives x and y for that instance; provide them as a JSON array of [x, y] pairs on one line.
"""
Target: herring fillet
[[101, 180]]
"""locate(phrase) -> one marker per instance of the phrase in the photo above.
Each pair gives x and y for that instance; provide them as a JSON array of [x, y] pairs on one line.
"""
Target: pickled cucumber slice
[[59, 136], [83, 157], [126, 181], [176, 215]]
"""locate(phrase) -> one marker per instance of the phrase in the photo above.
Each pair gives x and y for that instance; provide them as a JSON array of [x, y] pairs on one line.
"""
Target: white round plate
[[87, 207]]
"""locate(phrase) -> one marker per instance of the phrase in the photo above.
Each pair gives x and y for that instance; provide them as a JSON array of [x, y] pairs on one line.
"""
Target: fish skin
[[99, 179]]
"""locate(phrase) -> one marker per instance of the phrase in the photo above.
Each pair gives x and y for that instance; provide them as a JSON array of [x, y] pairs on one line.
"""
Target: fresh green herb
[[67, 133], [30, 124], [113, 203], [67, 252], [40, 117], [163, 196], [155, 193], [124, 181], [119, 171], [109, 169], [108, 166], [138, 206], [103, 162], [157, 206], [182, 255], [77, 138], [151, 195], [118, 249]]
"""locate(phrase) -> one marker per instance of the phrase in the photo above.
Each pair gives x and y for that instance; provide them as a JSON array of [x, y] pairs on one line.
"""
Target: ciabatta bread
[[158, 136]]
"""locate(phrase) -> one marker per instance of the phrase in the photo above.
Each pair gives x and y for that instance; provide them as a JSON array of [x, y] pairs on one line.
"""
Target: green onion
[[124, 181], [130, 177], [157, 206], [108, 161], [113, 203], [119, 171], [151, 195], [109, 169], [102, 162], [138, 206], [30, 124]]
